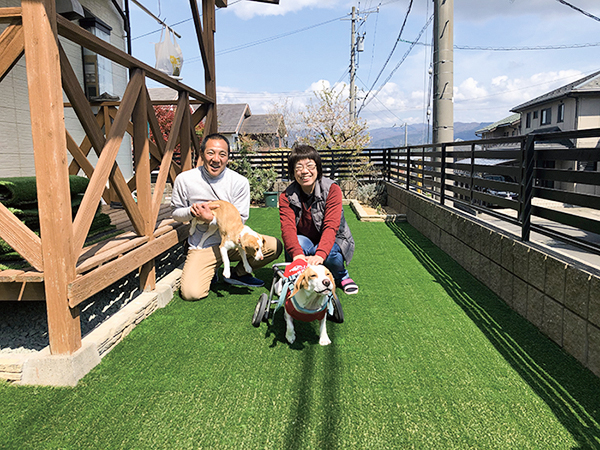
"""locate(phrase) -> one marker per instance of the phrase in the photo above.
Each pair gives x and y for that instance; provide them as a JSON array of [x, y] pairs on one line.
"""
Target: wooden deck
[[97, 261]]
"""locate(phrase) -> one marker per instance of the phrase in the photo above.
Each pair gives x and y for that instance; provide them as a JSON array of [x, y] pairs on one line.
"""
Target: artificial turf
[[427, 358]]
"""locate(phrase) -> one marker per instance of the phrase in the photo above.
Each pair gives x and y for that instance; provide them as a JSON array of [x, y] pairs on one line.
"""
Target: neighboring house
[[236, 120], [509, 126], [100, 78], [574, 106]]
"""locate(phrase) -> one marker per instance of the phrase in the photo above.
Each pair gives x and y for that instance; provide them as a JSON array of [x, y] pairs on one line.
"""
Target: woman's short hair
[[300, 152]]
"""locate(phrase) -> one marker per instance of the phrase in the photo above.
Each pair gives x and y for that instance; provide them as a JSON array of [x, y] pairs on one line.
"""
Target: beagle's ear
[[330, 276], [301, 282]]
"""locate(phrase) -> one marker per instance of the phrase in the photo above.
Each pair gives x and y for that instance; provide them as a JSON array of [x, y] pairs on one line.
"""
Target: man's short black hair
[[300, 152], [217, 136]]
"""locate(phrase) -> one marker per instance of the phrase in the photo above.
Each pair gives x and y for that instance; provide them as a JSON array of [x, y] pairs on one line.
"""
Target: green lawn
[[428, 358]]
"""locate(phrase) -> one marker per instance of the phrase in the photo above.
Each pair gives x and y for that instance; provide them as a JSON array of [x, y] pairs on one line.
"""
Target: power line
[[364, 103], [391, 52], [509, 49], [585, 13]]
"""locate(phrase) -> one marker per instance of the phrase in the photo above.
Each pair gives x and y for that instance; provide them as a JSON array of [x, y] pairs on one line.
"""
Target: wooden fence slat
[[7, 14], [20, 238]]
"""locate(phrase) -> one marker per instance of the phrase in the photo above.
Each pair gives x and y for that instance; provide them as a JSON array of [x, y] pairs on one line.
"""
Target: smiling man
[[213, 180]]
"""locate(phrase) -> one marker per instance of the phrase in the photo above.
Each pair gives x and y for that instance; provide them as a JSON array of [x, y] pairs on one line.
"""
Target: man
[[192, 190]]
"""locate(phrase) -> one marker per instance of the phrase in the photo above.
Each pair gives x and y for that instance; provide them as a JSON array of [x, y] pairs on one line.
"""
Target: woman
[[312, 220]]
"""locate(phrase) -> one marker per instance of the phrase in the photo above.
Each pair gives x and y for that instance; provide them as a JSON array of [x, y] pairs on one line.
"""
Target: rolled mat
[[22, 190]]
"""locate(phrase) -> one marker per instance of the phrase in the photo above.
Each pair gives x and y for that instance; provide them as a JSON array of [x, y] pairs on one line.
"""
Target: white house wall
[[16, 148]]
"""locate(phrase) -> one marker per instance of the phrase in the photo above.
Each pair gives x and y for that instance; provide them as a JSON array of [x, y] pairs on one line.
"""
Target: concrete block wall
[[560, 297]]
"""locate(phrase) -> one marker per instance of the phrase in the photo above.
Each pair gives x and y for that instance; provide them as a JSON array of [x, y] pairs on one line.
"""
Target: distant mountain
[[418, 134]]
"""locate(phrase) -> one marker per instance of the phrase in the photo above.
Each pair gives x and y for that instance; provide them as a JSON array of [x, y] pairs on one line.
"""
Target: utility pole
[[353, 67], [443, 68]]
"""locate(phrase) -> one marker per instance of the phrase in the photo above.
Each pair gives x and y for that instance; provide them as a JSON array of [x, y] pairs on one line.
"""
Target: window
[[97, 69], [546, 116], [528, 120], [560, 117], [535, 114]]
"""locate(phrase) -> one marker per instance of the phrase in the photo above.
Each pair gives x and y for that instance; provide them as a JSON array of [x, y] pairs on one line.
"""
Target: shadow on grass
[[326, 407], [569, 389]]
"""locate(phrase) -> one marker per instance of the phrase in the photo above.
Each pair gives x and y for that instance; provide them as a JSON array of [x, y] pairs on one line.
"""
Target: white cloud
[[248, 9]]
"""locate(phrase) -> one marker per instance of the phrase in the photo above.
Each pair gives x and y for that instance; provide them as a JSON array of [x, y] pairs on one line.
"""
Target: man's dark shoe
[[244, 280]]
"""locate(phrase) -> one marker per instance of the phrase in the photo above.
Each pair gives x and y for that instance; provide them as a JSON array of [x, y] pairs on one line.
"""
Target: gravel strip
[[24, 327]]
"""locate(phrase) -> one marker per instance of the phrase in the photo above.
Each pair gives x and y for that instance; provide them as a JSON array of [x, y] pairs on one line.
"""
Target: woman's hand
[[314, 260]]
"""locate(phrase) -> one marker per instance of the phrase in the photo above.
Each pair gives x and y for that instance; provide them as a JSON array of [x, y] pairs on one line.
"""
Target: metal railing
[[514, 179]]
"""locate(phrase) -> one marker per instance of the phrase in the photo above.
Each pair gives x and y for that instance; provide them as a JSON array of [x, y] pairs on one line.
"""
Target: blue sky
[[270, 53]]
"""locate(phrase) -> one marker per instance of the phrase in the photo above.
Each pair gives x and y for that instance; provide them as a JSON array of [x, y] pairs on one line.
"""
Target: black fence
[[514, 178]]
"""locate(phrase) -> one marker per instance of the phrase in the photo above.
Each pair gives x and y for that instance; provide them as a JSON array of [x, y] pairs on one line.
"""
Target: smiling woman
[[313, 226]]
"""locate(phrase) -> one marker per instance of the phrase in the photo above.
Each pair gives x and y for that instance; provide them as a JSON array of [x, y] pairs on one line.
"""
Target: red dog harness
[[292, 271]]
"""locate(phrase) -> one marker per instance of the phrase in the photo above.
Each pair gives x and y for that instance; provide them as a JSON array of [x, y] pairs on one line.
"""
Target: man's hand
[[203, 211]]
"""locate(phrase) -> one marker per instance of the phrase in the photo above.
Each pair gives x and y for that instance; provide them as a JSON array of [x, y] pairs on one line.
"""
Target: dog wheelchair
[[264, 308]]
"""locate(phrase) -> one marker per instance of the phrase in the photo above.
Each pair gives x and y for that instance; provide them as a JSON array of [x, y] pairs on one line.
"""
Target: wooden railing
[[58, 254]]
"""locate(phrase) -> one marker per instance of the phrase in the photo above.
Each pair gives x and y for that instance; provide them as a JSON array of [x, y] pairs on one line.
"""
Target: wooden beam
[[20, 238], [141, 152], [85, 146], [78, 35], [185, 137], [210, 82], [8, 14], [50, 155], [87, 285], [201, 38], [12, 47], [165, 164], [106, 167]]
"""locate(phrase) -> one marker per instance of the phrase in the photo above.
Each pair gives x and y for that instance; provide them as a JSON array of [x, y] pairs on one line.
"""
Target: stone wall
[[560, 297]]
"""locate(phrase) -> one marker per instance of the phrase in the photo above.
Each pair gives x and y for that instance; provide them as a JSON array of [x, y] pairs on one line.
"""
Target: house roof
[[511, 120], [588, 84], [235, 118], [262, 124], [164, 93], [231, 117]]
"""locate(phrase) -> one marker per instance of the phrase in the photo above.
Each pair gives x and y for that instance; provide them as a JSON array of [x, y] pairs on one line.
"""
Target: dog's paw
[[248, 268], [226, 272], [324, 340], [290, 337]]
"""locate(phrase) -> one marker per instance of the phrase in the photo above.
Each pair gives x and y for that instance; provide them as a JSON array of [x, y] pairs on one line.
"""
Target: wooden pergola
[[63, 272]]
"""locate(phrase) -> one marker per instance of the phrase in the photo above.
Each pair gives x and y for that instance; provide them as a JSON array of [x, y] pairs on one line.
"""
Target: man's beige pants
[[201, 264]]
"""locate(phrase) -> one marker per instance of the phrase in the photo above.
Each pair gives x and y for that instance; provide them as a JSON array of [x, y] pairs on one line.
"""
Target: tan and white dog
[[234, 234], [308, 301]]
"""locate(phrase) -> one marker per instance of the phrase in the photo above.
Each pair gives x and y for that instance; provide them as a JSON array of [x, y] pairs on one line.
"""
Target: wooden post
[[50, 154], [141, 150], [210, 82]]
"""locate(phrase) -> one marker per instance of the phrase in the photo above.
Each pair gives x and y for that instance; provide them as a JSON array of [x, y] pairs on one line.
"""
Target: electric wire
[[585, 13], [397, 66], [510, 49], [391, 52]]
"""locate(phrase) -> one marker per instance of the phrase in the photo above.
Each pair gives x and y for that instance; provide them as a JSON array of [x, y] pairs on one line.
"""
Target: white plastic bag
[[169, 58]]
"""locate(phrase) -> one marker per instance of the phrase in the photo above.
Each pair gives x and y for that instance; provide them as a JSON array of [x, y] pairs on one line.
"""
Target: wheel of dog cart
[[338, 312], [261, 311]]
